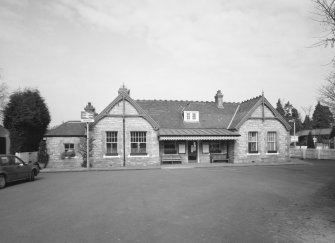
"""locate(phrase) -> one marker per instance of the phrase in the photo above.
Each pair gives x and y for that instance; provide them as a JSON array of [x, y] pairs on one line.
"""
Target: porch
[[200, 146]]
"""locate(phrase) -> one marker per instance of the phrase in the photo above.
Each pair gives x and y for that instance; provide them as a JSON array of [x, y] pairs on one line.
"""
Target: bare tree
[[3, 95], [327, 92], [307, 110], [325, 12]]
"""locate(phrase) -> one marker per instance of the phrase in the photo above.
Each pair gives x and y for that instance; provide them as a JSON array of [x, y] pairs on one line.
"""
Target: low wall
[[312, 153], [28, 156]]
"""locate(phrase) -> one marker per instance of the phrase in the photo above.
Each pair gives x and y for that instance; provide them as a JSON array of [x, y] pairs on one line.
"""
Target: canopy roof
[[197, 134]]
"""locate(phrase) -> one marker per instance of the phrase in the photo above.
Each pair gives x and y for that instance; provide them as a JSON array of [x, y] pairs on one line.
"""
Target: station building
[[132, 132]]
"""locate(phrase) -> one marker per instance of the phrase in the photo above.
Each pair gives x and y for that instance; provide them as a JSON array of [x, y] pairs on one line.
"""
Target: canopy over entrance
[[197, 134]]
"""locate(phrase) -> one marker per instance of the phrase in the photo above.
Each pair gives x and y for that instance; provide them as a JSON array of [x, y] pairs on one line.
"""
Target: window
[[111, 143], [68, 151], [214, 147], [170, 147], [188, 116], [272, 142], [138, 142], [253, 142], [68, 147], [191, 116]]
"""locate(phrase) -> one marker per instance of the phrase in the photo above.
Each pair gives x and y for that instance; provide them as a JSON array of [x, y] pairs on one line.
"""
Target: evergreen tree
[[310, 142], [322, 117], [307, 124], [26, 116], [280, 108], [292, 116]]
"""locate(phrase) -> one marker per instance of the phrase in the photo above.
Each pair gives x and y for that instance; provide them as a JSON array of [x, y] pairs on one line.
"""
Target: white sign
[[205, 148], [87, 117], [294, 139], [182, 148]]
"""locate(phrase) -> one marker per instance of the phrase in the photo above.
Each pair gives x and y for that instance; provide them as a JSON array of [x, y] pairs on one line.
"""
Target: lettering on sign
[[87, 116]]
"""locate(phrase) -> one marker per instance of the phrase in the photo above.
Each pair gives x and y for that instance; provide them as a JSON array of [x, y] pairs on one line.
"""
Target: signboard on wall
[[205, 148], [182, 149]]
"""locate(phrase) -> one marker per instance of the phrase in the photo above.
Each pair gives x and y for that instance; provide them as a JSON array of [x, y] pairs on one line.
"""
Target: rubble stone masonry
[[132, 124], [241, 154]]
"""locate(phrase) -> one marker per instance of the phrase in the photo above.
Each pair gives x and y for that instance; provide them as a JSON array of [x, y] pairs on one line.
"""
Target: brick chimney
[[219, 99], [123, 89]]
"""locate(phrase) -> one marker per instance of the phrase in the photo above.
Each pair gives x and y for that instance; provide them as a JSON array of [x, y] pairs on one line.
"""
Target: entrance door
[[192, 151], [2, 145]]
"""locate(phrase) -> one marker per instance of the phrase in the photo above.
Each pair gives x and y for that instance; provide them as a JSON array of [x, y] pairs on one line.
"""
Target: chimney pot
[[89, 108], [219, 99]]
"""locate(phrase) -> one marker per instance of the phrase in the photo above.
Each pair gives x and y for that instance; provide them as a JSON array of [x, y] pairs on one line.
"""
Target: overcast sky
[[75, 51]]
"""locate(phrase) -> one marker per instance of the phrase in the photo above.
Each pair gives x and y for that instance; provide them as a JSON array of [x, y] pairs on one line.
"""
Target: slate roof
[[68, 129], [197, 132], [244, 108], [169, 114]]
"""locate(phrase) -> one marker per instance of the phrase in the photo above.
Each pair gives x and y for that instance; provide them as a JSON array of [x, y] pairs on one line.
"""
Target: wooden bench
[[171, 159], [218, 157]]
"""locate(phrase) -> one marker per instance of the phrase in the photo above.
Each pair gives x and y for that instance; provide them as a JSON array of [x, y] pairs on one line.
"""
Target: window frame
[[251, 142], [215, 147], [170, 150], [191, 116], [68, 149], [138, 138], [273, 142], [113, 141]]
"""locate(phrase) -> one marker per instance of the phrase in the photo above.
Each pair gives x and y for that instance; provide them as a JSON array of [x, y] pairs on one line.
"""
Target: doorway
[[192, 151], [3, 149]]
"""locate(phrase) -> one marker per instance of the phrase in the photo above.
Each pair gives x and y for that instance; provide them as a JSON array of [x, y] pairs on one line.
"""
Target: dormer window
[[191, 116]]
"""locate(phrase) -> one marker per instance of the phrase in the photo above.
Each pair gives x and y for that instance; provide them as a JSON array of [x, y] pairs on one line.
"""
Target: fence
[[304, 153], [27, 156]]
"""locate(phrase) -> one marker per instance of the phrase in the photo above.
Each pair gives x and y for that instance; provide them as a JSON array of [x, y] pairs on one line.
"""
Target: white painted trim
[[254, 154], [198, 138], [198, 151], [111, 156], [138, 156], [233, 116], [272, 153]]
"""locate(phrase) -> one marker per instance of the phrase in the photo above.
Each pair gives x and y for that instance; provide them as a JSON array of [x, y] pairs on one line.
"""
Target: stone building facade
[[152, 132]]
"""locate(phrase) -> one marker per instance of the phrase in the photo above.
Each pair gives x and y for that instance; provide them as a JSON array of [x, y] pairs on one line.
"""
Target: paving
[[174, 166], [286, 203]]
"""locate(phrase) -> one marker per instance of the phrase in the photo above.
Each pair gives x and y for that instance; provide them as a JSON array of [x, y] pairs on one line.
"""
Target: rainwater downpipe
[[124, 130]]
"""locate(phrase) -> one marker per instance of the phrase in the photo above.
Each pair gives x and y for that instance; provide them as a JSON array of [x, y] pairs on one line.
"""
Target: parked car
[[12, 168]]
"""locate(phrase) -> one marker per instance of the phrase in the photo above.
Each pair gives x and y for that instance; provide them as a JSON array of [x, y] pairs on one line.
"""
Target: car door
[[21, 168], [8, 165]]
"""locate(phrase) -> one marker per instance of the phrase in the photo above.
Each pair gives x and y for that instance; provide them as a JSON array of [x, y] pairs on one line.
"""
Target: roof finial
[[123, 89]]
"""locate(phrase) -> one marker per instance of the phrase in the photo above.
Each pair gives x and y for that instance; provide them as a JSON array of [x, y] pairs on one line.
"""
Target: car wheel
[[32, 176], [2, 181]]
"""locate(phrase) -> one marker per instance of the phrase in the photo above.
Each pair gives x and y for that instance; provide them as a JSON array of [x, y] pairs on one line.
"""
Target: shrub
[[68, 154]]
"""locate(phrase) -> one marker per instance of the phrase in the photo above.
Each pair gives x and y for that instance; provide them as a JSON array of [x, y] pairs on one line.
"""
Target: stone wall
[[100, 159], [241, 154], [55, 147]]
